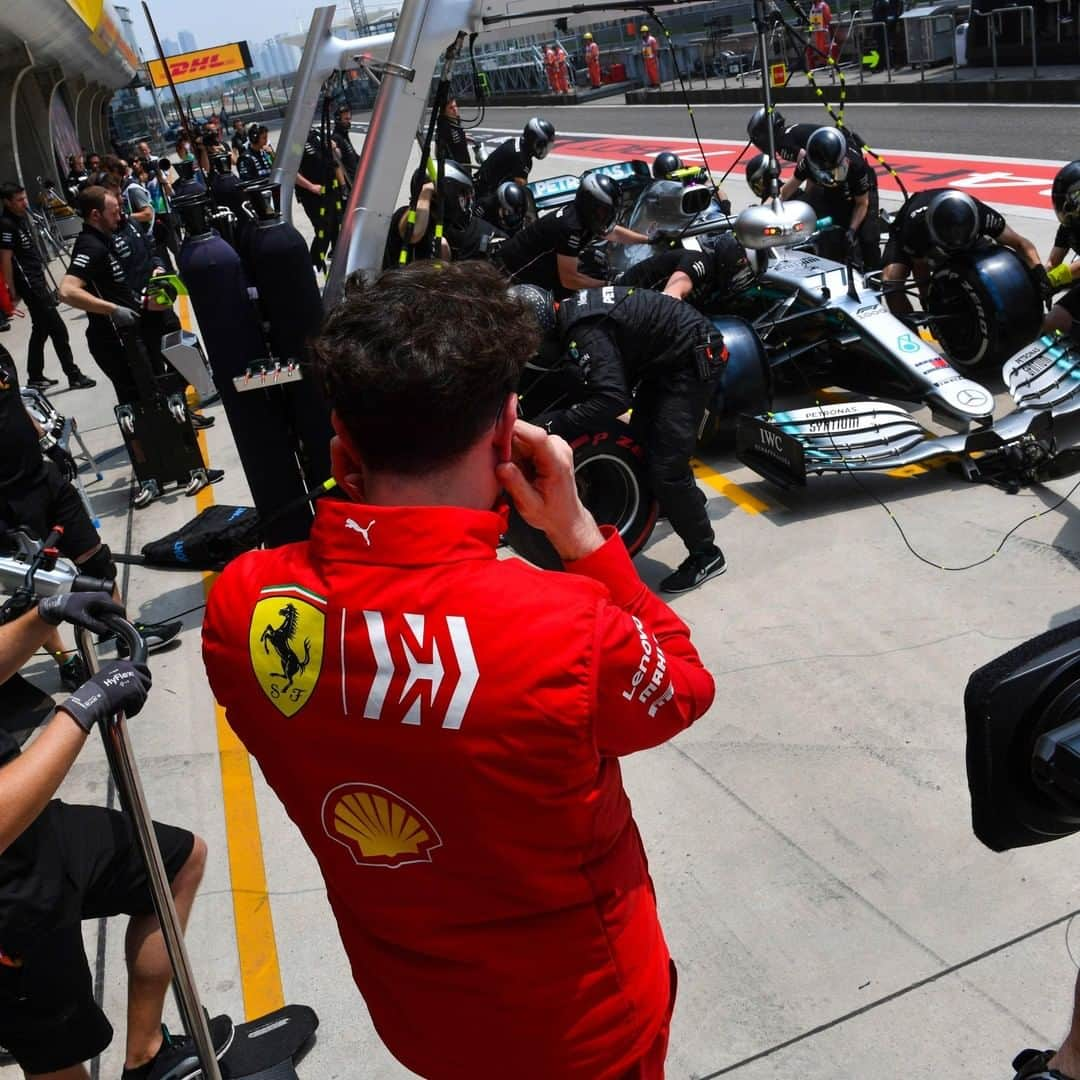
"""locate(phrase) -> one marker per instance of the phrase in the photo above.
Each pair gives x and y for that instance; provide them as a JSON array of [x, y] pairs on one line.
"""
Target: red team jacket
[[444, 728]]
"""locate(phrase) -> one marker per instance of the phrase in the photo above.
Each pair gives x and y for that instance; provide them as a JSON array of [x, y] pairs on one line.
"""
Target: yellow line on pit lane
[[742, 498], [256, 945]]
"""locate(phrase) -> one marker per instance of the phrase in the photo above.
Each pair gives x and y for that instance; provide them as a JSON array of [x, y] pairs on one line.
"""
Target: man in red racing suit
[[444, 726]]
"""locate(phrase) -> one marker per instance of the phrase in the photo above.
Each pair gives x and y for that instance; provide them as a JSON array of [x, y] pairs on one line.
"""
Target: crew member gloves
[[124, 318], [79, 609], [1060, 276], [120, 686]]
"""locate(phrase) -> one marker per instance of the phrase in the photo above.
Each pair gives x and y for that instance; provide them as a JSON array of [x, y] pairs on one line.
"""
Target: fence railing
[[994, 29]]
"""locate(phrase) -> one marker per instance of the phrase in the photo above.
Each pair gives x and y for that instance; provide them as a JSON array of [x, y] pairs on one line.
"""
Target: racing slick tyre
[[613, 483], [746, 386], [983, 307]]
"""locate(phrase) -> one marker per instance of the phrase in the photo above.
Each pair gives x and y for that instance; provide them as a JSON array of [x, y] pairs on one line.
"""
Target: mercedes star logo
[[972, 397]]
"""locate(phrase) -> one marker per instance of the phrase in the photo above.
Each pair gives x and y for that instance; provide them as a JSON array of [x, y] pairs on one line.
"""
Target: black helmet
[[513, 203], [597, 204], [540, 302], [759, 170], [456, 188], [538, 136], [664, 164], [758, 127], [952, 220], [733, 267], [1065, 194], [827, 157]]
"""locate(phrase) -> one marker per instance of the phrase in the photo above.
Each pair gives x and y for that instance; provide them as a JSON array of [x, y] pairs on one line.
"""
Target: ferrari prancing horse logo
[[285, 641]]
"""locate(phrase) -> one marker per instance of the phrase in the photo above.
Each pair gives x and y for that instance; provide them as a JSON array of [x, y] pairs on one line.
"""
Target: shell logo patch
[[378, 827], [285, 642]]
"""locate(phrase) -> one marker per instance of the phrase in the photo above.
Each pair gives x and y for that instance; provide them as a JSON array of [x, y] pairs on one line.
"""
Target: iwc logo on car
[[377, 826]]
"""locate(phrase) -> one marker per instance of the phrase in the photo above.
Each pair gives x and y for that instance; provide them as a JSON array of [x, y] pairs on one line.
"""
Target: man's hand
[[119, 686], [79, 609], [540, 481], [63, 461], [854, 252], [124, 318]]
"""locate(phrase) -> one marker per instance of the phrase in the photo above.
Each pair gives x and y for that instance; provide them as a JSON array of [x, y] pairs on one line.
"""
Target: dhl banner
[[186, 67]]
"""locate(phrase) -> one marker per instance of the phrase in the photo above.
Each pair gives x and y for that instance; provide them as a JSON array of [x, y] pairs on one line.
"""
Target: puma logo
[[350, 524]]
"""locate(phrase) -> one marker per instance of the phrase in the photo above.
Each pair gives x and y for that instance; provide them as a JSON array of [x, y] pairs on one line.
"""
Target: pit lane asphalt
[[830, 912], [1022, 131]]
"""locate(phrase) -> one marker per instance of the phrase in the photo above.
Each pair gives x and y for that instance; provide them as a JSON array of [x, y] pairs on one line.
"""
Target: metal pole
[[763, 43], [1034, 55], [126, 774], [424, 29], [168, 75], [993, 42], [955, 69]]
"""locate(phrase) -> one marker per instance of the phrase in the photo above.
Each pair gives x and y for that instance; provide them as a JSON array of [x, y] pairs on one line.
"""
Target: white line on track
[[664, 141], [850, 105]]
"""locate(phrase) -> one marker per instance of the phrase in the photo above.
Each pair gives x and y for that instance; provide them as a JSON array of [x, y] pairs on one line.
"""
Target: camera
[[1023, 742]]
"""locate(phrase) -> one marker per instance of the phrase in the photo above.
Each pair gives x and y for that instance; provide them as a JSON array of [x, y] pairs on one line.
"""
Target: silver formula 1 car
[[811, 323]]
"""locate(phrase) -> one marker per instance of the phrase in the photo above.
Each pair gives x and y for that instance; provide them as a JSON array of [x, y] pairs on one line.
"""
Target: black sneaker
[[1035, 1065], [178, 1059], [73, 673], [42, 383], [199, 421], [79, 381], [154, 634], [694, 570]]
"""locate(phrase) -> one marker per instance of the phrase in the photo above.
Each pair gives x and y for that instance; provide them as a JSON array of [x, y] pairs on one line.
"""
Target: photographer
[[239, 139], [76, 176], [165, 230], [24, 275], [61, 864], [520, 921]]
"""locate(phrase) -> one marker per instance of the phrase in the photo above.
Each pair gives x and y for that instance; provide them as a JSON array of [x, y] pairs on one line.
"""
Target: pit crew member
[[547, 251], [937, 223], [639, 348], [61, 864], [1065, 195]]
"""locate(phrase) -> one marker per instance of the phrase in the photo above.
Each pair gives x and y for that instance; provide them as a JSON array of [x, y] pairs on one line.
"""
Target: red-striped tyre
[[613, 482]]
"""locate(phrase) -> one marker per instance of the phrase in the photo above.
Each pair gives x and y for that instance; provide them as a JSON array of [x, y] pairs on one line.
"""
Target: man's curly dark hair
[[418, 362]]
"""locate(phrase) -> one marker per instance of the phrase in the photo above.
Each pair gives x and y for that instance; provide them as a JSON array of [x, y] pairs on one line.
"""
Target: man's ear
[[345, 461], [503, 436]]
